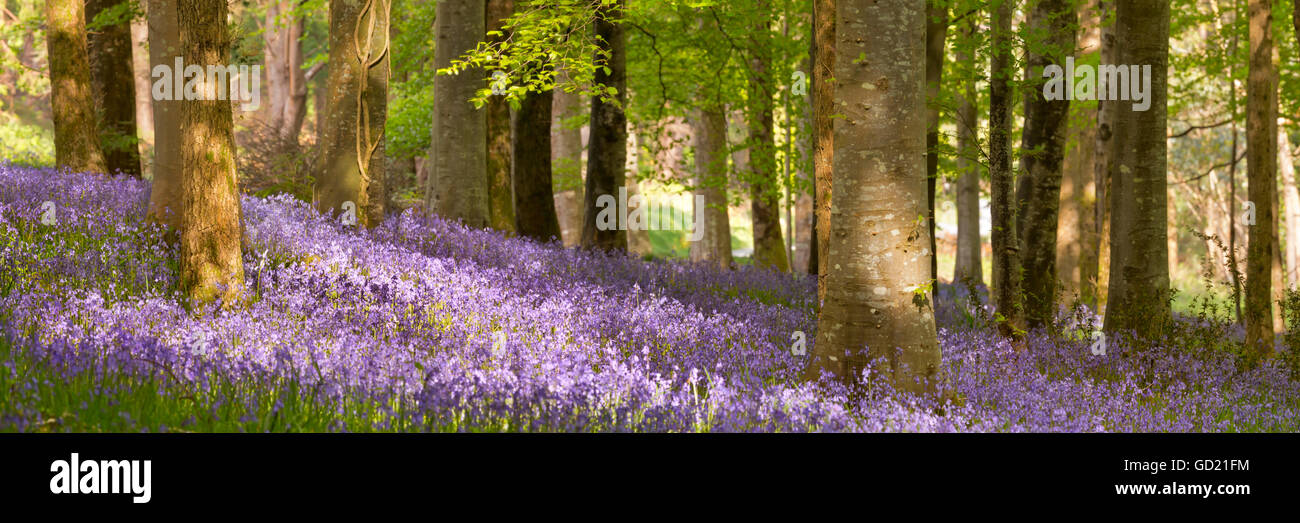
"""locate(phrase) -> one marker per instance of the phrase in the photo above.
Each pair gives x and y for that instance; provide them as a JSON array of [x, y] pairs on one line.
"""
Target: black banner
[[307, 473]]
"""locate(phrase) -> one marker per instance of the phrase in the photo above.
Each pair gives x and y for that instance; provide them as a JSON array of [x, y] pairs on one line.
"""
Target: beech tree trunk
[[969, 265], [765, 205], [1291, 202], [607, 148], [501, 196], [1077, 238], [1103, 164], [1261, 156], [823, 94], [357, 108], [1038, 191], [1139, 260], [877, 295], [112, 76], [710, 140], [534, 200], [164, 47], [76, 145], [210, 260], [286, 82], [143, 91], [1006, 249], [638, 239], [566, 160], [936, 31]]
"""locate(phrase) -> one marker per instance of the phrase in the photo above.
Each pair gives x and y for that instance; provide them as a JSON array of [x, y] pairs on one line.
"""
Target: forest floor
[[423, 325]]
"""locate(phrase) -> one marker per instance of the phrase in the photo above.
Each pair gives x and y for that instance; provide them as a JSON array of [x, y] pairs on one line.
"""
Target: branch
[[1199, 127]]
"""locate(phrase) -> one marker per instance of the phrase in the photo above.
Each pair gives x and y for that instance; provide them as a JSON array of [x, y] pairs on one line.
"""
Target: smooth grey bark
[[710, 142], [1139, 261], [164, 47], [458, 180], [969, 265], [878, 311]]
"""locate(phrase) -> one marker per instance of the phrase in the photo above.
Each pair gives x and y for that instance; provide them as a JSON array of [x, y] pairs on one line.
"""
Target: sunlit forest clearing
[[649, 216]]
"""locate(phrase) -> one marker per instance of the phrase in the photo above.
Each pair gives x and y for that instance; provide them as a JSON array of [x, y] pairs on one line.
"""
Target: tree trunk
[[211, 264], [76, 145], [143, 92], [1139, 262], [607, 151], [878, 294], [936, 30], [566, 160], [969, 265], [286, 82], [164, 47], [458, 180], [1291, 204], [823, 94], [534, 201], [765, 205], [357, 109], [1006, 250], [1038, 191], [1078, 237], [112, 76], [1261, 157], [638, 239], [501, 196], [710, 137], [1103, 164]]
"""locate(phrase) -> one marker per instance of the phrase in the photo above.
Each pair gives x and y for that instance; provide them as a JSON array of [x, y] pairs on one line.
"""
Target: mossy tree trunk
[[211, 262], [76, 145]]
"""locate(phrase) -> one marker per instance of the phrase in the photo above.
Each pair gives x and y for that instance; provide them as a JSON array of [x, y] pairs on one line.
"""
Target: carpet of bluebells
[[424, 325]]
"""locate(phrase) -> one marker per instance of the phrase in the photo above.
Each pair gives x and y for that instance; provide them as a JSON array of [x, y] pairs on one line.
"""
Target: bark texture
[[607, 148], [500, 189], [164, 47], [765, 205], [823, 134], [710, 141], [459, 183], [76, 146], [210, 260], [1006, 251], [1139, 259], [1038, 191], [1261, 156], [877, 312], [534, 201], [357, 108]]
